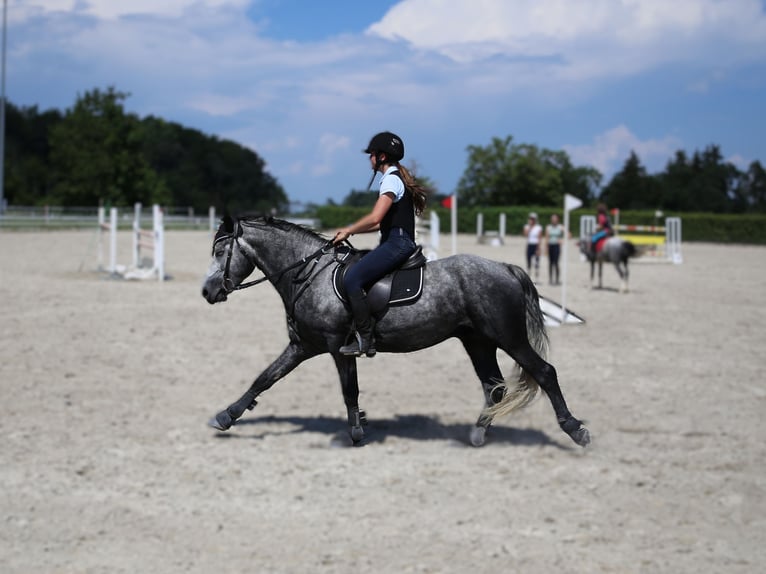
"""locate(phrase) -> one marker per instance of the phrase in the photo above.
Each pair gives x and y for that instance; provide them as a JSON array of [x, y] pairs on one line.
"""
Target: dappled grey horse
[[486, 304], [614, 250]]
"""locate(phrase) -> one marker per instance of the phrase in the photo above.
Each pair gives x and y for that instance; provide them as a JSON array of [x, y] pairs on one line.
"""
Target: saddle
[[400, 287]]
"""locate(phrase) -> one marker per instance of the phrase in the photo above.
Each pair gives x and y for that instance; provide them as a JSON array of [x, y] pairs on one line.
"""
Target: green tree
[[202, 170], [675, 184], [27, 153], [504, 173], [752, 186], [632, 187], [96, 155], [712, 186]]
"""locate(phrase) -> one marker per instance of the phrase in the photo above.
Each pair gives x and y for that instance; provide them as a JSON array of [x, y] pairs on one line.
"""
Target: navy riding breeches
[[386, 257]]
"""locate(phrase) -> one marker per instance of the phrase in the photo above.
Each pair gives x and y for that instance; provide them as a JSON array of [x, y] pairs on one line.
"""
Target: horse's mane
[[282, 224]]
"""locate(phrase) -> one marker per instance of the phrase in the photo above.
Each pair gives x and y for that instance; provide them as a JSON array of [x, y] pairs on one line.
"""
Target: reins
[[309, 263]]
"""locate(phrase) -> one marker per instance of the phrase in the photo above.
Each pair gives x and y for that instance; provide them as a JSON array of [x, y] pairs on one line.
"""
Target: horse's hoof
[[357, 434], [222, 421], [581, 436], [477, 435]]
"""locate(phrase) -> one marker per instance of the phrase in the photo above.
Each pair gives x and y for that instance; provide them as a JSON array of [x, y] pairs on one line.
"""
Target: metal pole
[[2, 115]]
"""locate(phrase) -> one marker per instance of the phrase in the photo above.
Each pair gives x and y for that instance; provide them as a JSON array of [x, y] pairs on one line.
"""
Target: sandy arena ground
[[108, 465]]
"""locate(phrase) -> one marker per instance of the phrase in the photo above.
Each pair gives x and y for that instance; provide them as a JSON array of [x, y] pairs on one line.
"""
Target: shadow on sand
[[407, 427]]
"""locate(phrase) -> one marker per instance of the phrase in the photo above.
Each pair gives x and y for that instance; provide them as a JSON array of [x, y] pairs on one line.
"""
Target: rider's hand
[[341, 235]]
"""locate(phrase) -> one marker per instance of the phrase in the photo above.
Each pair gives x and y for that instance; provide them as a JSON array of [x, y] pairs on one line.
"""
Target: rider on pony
[[603, 229], [400, 199]]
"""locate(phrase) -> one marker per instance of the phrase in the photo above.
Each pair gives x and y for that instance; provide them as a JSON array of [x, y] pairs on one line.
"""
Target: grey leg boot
[[363, 323]]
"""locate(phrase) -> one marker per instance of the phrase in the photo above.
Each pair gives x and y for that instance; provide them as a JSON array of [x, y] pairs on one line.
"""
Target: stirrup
[[358, 348]]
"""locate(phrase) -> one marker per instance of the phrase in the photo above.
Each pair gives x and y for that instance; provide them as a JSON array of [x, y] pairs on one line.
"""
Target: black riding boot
[[363, 323]]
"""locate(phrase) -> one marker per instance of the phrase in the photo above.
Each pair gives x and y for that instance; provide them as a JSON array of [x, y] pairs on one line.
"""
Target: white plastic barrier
[[432, 229], [152, 241], [496, 238]]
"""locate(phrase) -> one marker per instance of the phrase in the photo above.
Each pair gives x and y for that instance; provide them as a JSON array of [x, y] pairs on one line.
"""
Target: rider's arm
[[371, 221]]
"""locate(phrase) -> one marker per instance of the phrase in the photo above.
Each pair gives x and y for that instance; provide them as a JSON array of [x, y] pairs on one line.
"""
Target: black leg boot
[[363, 323]]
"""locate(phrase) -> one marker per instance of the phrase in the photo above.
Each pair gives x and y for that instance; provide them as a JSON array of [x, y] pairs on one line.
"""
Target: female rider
[[603, 227], [399, 201]]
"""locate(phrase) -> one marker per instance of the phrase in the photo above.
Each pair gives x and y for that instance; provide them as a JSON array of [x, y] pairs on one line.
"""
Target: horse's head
[[232, 262], [585, 248]]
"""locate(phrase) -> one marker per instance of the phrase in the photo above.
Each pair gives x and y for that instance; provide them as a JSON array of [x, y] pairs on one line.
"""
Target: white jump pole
[[112, 240], [570, 202], [434, 225], [673, 239], [100, 240], [479, 226], [453, 223], [159, 241], [137, 234], [211, 213], [502, 227]]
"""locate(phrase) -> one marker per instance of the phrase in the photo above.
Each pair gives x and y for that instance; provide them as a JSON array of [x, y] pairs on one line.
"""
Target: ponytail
[[419, 193]]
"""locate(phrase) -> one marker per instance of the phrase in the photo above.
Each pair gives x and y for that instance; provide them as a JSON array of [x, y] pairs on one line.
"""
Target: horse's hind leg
[[545, 375], [623, 271], [483, 354], [349, 383]]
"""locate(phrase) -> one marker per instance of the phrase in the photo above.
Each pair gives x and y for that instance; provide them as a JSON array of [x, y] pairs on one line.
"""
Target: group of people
[[548, 240], [552, 237], [400, 200]]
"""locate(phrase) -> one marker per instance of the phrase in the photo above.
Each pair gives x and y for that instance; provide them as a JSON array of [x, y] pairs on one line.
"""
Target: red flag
[[447, 202]]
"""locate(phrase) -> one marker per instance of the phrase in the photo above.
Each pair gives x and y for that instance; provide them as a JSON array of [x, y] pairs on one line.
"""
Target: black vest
[[401, 214]]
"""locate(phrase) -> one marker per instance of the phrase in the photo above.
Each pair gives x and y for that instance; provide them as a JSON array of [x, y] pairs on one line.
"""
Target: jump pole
[[154, 240], [111, 227], [570, 202]]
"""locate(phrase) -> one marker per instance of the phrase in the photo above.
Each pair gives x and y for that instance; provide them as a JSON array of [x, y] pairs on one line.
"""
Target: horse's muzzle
[[214, 296]]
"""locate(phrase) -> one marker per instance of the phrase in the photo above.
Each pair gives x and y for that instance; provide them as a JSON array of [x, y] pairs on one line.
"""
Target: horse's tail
[[630, 249], [521, 389], [536, 333]]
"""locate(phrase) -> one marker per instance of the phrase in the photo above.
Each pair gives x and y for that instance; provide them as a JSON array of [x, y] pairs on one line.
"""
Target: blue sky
[[307, 84]]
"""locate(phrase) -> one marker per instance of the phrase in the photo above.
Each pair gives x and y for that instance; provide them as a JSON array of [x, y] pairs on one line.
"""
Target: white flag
[[571, 202]]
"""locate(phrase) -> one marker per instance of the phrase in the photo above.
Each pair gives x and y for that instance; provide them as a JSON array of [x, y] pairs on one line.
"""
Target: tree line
[[505, 173], [96, 153]]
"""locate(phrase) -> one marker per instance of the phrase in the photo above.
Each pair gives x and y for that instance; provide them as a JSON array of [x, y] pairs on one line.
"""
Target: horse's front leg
[[349, 383], [290, 358], [600, 275]]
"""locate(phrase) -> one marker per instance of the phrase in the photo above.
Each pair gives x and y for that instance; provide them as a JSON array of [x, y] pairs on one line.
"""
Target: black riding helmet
[[387, 143]]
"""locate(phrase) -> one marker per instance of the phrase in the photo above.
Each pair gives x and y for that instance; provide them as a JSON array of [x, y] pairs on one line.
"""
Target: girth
[[400, 287]]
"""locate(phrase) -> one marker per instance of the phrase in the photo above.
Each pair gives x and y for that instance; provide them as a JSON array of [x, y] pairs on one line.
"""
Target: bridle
[[308, 263]]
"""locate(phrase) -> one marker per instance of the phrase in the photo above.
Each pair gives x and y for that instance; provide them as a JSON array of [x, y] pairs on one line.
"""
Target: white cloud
[[113, 9], [219, 105], [582, 38], [479, 69], [330, 145], [611, 148]]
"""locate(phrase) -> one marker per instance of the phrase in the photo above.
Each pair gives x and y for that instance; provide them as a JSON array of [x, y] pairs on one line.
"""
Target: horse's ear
[[227, 223]]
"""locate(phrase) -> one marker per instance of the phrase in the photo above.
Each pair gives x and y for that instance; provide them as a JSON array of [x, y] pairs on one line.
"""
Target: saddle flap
[[404, 285]]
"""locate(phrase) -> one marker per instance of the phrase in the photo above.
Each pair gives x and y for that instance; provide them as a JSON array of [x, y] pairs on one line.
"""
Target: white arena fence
[[49, 217]]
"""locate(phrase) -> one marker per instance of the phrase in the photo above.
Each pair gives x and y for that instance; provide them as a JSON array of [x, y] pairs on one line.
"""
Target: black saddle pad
[[401, 287]]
